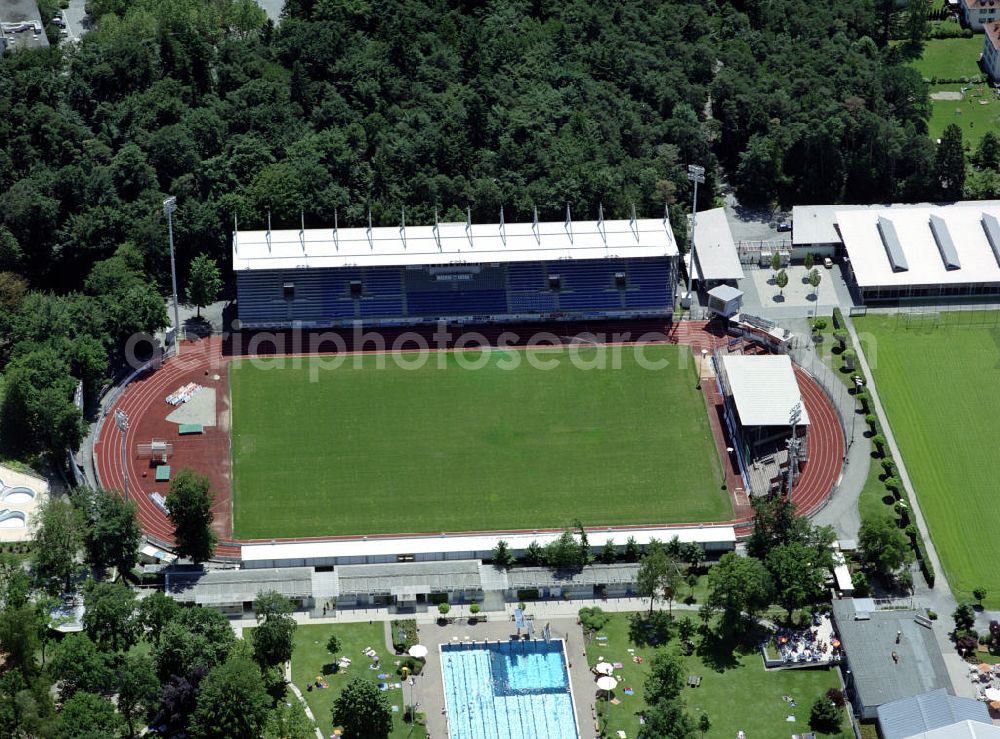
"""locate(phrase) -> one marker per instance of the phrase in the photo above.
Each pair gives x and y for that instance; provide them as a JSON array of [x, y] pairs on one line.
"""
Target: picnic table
[[163, 473], [190, 428], [694, 681]]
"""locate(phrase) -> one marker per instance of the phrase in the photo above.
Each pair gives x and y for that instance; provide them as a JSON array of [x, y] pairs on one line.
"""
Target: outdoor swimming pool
[[509, 689]]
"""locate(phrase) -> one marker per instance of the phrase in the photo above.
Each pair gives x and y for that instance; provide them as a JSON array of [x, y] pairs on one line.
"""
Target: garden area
[[724, 678], [311, 660]]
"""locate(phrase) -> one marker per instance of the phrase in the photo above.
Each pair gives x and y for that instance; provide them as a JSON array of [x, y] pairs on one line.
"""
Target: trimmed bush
[[838, 318]]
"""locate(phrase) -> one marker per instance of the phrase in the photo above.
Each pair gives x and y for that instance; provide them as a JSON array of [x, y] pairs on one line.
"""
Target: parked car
[[828, 263], [784, 227]]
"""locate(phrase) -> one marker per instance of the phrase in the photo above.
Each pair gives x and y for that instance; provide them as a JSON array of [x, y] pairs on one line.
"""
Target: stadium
[[314, 440]]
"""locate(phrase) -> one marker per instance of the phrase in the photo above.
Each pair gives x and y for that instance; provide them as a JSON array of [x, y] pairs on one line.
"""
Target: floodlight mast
[[696, 174], [121, 420], [169, 206]]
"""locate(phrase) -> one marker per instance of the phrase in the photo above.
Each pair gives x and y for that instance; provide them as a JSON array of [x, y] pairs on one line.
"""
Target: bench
[[190, 428]]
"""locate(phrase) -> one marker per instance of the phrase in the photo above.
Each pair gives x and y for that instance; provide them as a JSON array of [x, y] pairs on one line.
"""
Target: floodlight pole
[[696, 174], [169, 206], [121, 420]]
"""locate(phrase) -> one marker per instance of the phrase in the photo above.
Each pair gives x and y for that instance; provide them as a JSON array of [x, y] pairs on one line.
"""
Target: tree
[[274, 636], [737, 585], [988, 151], [363, 710], [797, 579], [333, 645], [667, 720], [156, 610], [781, 280], [288, 721], [632, 551], [964, 616], [609, 553], [917, 25], [138, 690], [88, 716], [58, 530], [204, 282], [110, 616], [810, 260], [195, 637], [78, 665], [775, 262], [113, 535], [232, 702], [502, 558], [534, 555], [190, 504], [949, 163], [665, 679], [704, 724], [979, 594], [759, 173], [883, 545], [814, 279], [564, 552], [19, 641], [824, 715], [659, 575]]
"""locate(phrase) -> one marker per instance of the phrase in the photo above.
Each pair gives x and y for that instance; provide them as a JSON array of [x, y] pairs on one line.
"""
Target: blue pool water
[[511, 690]]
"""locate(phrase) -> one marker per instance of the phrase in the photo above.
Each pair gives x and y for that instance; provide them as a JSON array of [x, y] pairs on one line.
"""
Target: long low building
[[909, 252], [388, 549]]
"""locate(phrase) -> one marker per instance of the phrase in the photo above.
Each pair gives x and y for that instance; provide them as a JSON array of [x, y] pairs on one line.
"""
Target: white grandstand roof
[[923, 245], [715, 250], [451, 243], [383, 546], [764, 389], [817, 224]]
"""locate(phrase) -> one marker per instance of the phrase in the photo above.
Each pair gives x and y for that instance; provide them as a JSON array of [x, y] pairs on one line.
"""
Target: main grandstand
[[456, 272]]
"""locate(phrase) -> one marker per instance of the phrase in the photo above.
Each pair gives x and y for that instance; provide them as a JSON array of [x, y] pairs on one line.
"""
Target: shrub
[[819, 324], [888, 466], [872, 420], [979, 594], [860, 582], [879, 440], [932, 615], [593, 619], [967, 645], [836, 696], [838, 318], [404, 634], [443, 608], [965, 618], [824, 716], [841, 338], [474, 609]]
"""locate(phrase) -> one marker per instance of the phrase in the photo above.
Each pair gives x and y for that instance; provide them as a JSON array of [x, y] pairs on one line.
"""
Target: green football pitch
[[365, 450], [937, 382]]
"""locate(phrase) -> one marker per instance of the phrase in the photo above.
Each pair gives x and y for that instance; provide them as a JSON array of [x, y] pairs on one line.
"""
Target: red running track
[[201, 361]]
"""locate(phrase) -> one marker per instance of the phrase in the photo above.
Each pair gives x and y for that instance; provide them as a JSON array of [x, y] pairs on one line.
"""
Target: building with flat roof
[[496, 272], [919, 714], [889, 654], [715, 257], [21, 26], [961, 730]]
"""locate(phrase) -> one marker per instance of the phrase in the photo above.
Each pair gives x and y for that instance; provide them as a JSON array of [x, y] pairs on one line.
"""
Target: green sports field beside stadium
[[937, 382], [368, 450]]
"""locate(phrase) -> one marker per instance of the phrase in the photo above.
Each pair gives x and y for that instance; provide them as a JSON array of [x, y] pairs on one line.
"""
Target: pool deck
[[429, 686]]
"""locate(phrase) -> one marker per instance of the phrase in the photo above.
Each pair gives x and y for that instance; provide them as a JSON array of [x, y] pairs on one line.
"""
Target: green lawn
[[368, 450], [950, 58], [310, 659], [972, 117], [736, 692], [936, 383]]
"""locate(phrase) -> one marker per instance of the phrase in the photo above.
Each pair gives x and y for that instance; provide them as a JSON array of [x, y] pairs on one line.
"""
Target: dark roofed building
[[890, 654]]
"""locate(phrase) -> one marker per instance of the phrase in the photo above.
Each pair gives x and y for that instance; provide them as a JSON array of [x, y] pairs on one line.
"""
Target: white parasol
[[418, 650], [606, 682], [604, 668]]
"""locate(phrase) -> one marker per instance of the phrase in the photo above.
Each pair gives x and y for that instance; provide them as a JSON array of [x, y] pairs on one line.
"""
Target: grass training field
[[936, 381], [969, 113], [391, 450]]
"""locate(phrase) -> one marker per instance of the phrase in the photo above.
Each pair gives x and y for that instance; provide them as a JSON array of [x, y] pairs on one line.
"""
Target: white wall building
[[991, 50], [976, 13]]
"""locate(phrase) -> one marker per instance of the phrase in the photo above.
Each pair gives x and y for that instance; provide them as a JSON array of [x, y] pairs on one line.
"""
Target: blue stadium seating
[[389, 307], [532, 302], [527, 276], [456, 303]]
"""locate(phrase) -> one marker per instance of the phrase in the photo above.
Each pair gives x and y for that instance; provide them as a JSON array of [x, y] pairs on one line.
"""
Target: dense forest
[[351, 105]]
